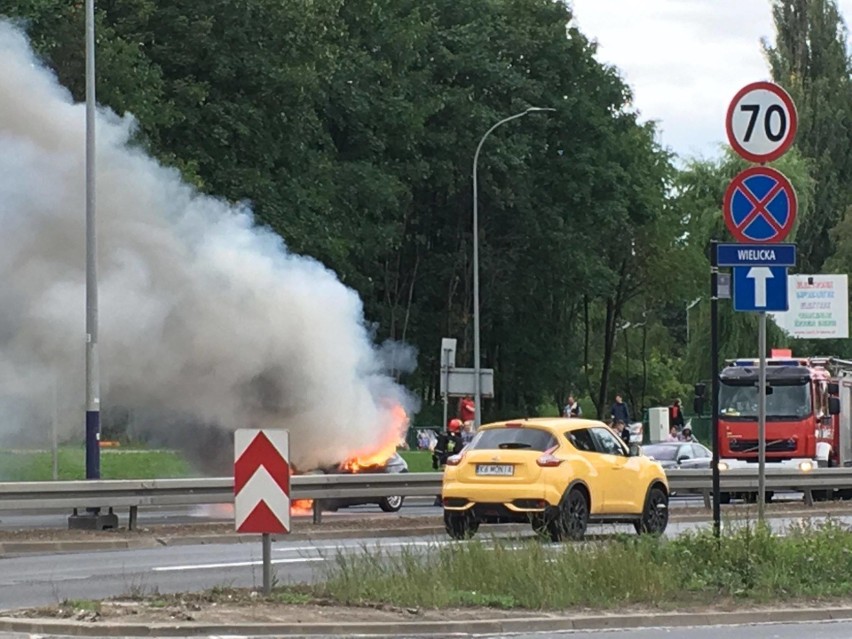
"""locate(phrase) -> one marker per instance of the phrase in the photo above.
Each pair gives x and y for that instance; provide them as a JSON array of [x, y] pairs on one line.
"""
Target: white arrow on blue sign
[[760, 289]]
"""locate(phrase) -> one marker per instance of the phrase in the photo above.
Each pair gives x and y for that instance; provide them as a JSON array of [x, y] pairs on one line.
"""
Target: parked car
[[557, 474], [389, 504], [679, 454]]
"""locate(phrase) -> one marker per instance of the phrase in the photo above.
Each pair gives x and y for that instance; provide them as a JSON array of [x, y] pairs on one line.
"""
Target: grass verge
[[115, 464], [419, 461], [749, 563]]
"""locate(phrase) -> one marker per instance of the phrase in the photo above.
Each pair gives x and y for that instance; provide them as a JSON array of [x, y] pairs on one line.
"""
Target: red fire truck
[[808, 411]]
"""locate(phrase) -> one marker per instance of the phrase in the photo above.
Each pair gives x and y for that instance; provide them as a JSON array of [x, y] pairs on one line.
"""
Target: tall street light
[[93, 408], [688, 308], [477, 382], [93, 519]]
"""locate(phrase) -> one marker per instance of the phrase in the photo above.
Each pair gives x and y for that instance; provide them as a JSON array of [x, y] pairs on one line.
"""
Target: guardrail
[[135, 493]]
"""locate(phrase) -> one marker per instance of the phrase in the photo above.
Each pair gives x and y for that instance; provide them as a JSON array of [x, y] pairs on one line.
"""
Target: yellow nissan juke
[[557, 474]]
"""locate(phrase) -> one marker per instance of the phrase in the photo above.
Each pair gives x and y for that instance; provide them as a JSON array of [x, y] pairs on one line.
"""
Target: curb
[[463, 628], [21, 548]]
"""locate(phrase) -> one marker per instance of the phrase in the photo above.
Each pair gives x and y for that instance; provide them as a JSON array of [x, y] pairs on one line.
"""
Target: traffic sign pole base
[[93, 519]]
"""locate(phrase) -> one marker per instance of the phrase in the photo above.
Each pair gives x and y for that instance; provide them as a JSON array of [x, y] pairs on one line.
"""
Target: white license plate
[[495, 469]]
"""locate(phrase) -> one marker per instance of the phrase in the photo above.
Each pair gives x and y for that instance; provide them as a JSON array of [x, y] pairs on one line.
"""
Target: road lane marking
[[358, 546], [233, 564]]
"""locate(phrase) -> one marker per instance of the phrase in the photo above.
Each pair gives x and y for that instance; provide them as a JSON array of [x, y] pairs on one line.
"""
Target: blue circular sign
[[760, 206]]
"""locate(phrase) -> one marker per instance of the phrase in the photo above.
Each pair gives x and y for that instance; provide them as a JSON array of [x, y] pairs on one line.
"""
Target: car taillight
[[454, 460], [548, 461]]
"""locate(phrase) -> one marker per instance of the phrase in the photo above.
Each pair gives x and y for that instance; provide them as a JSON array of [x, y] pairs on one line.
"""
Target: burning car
[[389, 504]]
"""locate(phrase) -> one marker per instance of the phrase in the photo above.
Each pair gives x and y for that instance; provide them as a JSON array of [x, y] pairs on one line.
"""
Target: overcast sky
[[684, 59]]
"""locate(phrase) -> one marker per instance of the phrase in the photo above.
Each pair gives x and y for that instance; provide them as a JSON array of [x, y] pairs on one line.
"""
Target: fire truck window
[[785, 402], [822, 399]]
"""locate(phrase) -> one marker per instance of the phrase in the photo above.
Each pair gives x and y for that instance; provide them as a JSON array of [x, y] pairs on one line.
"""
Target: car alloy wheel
[[391, 504], [655, 517], [575, 515]]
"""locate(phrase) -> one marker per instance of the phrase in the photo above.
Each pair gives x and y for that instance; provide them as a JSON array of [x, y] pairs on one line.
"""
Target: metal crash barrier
[[134, 493]]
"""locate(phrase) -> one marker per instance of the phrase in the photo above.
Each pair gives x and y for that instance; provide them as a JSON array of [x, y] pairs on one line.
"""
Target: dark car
[[679, 454], [391, 504]]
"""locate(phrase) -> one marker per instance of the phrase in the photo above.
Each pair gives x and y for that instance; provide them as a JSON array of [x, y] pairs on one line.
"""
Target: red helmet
[[454, 425]]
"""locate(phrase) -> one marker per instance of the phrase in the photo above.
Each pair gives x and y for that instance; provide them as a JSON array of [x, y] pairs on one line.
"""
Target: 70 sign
[[761, 122]]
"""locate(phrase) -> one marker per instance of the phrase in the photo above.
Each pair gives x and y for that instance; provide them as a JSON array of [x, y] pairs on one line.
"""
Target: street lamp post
[[477, 382], [93, 465], [688, 308], [93, 519]]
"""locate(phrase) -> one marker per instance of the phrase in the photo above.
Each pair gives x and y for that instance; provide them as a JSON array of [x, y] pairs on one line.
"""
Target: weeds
[[86, 605], [747, 562]]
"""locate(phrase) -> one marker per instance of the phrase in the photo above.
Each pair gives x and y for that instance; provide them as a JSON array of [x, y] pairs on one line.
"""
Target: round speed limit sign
[[761, 122]]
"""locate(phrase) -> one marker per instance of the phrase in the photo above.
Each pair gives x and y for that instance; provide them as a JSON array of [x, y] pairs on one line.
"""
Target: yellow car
[[558, 474]]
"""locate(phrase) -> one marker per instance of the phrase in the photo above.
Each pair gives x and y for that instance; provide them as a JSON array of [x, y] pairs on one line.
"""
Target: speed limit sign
[[761, 122]]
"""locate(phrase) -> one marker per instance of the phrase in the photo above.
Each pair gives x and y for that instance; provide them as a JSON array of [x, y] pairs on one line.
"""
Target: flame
[[378, 455], [301, 506]]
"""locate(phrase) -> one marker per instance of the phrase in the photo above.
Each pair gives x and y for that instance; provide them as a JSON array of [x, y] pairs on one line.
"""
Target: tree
[[810, 59]]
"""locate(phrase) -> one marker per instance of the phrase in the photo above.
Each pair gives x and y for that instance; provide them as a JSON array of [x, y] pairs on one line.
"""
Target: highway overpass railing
[[136, 493]]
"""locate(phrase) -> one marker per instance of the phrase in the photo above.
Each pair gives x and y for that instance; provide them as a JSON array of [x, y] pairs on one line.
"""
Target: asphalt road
[[47, 579], [823, 630], [818, 630]]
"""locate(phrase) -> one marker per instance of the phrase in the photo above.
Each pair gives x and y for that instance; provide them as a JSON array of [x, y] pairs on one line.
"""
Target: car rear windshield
[[520, 438]]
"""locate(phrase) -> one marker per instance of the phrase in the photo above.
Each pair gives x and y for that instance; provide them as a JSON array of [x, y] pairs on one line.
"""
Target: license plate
[[495, 469]]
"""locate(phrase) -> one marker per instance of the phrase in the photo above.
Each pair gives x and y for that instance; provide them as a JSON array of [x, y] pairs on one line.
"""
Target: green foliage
[[810, 58], [746, 563], [350, 129]]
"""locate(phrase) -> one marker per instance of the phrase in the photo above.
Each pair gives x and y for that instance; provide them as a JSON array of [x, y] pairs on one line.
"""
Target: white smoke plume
[[206, 321]]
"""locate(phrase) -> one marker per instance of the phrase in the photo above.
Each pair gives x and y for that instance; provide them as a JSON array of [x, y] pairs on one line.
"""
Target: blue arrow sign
[[760, 288], [756, 255]]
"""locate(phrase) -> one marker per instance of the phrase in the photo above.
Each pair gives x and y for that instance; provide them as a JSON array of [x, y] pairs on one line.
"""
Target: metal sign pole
[[714, 386], [761, 420], [445, 371], [267, 564]]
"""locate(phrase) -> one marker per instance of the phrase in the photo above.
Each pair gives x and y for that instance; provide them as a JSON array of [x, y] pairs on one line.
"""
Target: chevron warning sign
[[262, 481]]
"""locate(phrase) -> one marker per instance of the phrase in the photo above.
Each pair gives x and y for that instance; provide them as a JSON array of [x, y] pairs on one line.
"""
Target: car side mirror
[[833, 405], [683, 458]]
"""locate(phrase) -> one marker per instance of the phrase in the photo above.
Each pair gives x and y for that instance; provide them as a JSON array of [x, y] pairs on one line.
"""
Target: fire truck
[[808, 412]]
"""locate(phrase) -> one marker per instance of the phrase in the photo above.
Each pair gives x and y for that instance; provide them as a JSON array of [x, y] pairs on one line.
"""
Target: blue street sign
[[760, 288], [756, 255]]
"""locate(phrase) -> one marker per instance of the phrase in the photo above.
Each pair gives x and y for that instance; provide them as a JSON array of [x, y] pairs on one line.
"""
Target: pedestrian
[[467, 433], [676, 415], [572, 408], [619, 412], [467, 409], [686, 435], [674, 436], [622, 430]]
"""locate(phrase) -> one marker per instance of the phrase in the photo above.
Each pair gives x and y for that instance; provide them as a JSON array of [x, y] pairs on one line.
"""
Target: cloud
[[684, 59]]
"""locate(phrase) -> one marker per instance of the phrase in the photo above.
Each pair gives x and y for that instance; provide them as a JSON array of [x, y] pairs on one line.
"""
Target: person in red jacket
[[467, 409], [676, 415]]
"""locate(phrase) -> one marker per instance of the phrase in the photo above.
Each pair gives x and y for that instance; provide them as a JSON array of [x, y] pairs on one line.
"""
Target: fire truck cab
[[808, 411]]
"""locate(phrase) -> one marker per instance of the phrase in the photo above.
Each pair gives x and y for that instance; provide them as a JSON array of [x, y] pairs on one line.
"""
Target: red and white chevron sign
[[262, 481]]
